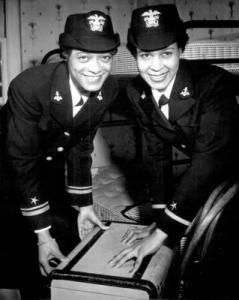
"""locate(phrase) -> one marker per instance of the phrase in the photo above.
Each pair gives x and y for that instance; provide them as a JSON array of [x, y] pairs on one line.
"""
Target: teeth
[[93, 78], [157, 77]]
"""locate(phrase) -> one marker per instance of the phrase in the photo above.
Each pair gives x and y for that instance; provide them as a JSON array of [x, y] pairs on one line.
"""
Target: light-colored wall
[[2, 19], [33, 27], [10, 39], [14, 46], [41, 21]]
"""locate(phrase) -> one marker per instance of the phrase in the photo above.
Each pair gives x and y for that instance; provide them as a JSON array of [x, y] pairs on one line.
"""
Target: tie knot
[[163, 100]]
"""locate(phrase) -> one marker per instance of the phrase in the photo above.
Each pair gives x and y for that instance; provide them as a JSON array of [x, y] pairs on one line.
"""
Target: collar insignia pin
[[185, 92], [173, 205], [143, 96], [34, 200], [100, 97], [57, 97]]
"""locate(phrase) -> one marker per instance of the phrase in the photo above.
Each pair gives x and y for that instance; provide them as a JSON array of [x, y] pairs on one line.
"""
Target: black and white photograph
[[119, 149]]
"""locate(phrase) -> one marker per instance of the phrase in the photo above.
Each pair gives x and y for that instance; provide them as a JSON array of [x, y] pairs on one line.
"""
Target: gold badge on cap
[[100, 97], [57, 97], [151, 18], [96, 22], [185, 92]]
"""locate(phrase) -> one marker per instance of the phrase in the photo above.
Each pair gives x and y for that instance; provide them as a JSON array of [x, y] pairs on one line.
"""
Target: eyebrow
[[81, 52], [164, 49], [169, 48]]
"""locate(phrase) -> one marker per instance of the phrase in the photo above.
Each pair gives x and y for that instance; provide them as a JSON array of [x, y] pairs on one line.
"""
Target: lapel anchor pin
[[100, 97], [143, 96], [185, 92], [57, 97]]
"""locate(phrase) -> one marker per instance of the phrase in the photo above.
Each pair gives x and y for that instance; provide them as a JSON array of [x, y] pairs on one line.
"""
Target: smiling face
[[158, 67], [89, 70]]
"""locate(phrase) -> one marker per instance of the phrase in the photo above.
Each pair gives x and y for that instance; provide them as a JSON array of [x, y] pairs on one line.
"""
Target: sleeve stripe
[[79, 187], [36, 212], [78, 192], [43, 229], [158, 206], [35, 207], [176, 218]]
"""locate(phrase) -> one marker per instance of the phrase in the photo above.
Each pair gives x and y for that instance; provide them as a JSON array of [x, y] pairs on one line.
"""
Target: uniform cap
[[154, 27], [90, 32]]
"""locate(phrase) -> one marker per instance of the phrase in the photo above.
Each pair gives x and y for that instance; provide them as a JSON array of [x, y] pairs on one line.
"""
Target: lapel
[[147, 107], [94, 106], [181, 98], [60, 97]]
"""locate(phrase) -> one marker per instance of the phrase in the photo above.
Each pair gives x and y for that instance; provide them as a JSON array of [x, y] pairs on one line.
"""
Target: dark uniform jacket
[[203, 123], [43, 139]]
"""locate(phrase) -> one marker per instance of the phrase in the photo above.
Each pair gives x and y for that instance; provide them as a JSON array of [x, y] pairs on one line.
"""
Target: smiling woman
[[182, 104], [88, 71], [159, 68], [53, 113]]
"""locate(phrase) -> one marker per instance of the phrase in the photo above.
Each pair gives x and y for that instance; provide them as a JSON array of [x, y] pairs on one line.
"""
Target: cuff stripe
[[79, 187], [35, 207], [158, 206], [43, 229], [176, 218], [36, 211], [79, 191]]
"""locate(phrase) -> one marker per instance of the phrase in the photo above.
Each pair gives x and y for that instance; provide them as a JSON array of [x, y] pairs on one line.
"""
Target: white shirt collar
[[75, 93]]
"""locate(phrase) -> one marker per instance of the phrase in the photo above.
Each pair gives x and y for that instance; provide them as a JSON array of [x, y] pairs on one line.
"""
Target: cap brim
[[90, 44], [153, 41]]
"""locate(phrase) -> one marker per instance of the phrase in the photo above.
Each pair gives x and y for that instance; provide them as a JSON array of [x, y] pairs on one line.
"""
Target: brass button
[[60, 149]]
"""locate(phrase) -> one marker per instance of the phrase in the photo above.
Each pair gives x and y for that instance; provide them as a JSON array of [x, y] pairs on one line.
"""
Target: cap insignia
[[151, 18], [57, 97], [96, 22]]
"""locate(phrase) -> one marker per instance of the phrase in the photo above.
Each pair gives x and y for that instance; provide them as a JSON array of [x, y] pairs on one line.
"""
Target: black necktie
[[163, 100], [80, 103]]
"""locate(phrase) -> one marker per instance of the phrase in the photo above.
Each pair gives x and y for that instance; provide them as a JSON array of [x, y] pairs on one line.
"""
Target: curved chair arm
[[221, 197], [49, 54]]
